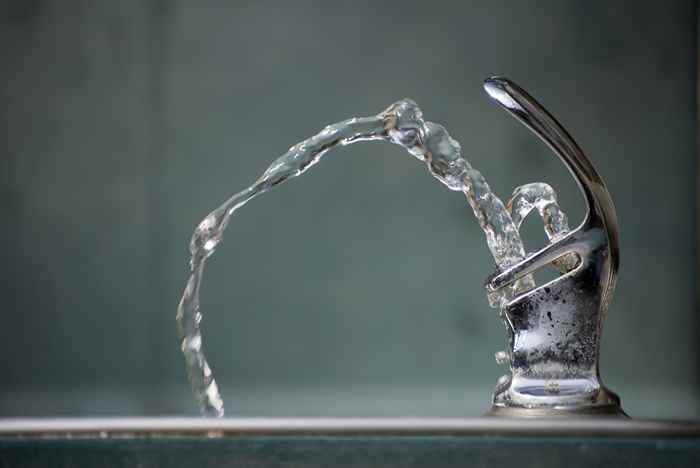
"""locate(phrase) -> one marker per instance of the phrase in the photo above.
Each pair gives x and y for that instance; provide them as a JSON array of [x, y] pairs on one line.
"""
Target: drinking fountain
[[554, 330], [549, 409]]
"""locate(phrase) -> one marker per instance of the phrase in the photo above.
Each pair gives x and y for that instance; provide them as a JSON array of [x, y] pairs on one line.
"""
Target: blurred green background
[[356, 289]]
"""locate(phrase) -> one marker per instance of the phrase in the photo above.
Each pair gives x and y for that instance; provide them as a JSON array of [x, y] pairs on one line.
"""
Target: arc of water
[[541, 197], [402, 124]]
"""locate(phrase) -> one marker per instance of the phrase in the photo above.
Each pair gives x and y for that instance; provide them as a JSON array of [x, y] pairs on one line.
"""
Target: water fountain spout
[[554, 329]]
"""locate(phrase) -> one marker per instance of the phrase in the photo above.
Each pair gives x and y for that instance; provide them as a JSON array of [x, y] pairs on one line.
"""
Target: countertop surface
[[348, 442]]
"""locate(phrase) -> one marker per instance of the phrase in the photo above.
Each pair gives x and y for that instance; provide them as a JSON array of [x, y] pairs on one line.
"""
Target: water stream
[[401, 123]]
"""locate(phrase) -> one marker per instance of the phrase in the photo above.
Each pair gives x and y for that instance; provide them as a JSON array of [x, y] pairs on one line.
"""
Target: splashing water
[[402, 124]]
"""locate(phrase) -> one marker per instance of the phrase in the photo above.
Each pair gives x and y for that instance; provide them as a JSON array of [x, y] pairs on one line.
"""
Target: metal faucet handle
[[554, 330]]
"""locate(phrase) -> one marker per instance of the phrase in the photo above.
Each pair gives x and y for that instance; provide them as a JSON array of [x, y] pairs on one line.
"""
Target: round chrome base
[[612, 410]]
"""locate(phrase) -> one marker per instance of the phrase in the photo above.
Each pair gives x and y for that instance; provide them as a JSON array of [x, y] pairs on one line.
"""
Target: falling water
[[402, 124]]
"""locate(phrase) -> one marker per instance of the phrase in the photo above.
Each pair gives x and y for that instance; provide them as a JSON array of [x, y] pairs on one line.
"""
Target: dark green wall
[[357, 289]]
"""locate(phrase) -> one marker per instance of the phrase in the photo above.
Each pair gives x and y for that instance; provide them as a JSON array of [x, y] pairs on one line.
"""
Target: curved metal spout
[[600, 209], [555, 329]]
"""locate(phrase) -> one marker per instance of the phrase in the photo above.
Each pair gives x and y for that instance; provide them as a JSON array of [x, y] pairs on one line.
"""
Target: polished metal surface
[[554, 329], [339, 442], [52, 428]]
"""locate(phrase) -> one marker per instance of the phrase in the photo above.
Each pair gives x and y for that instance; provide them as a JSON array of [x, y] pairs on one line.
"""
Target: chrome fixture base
[[607, 405]]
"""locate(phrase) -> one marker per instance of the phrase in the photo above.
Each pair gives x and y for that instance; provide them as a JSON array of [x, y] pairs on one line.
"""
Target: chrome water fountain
[[553, 330]]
